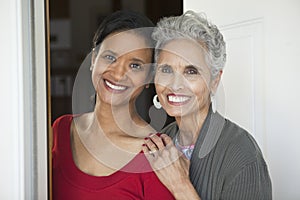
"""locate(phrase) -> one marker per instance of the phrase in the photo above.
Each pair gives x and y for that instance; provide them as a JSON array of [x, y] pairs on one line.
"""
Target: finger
[[157, 141], [166, 140], [150, 144], [152, 148], [148, 153]]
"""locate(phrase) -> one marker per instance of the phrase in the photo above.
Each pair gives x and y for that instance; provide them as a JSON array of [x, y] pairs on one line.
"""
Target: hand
[[170, 165]]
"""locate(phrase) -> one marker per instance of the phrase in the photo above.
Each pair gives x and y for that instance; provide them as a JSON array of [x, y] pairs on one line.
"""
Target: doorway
[[72, 25]]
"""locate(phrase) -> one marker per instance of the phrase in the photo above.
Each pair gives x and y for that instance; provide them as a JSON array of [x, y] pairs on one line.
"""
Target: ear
[[94, 56], [215, 82]]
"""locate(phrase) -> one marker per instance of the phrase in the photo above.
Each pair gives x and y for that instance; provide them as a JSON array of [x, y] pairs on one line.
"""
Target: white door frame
[[23, 106], [35, 104]]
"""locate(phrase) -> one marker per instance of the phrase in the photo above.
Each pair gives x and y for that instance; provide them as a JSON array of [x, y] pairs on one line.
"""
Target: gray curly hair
[[194, 26]]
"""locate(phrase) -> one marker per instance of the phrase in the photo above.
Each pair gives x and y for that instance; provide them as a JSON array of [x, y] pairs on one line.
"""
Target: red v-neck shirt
[[70, 183]]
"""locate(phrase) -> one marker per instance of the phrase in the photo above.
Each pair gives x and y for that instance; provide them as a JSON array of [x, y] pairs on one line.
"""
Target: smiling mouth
[[114, 87], [178, 99]]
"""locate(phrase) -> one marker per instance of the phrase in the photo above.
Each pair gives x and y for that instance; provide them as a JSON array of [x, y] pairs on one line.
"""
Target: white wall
[[280, 50], [23, 132], [11, 176]]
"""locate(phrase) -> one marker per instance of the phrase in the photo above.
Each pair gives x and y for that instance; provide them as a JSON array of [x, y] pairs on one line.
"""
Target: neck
[[190, 126], [121, 119]]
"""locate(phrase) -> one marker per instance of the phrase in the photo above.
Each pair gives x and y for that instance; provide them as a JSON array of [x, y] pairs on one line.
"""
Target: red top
[[69, 182]]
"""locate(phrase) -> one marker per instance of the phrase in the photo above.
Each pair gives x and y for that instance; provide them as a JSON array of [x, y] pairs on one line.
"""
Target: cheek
[[100, 65], [94, 78], [98, 68], [202, 91], [160, 84], [139, 80], [162, 80], [159, 88]]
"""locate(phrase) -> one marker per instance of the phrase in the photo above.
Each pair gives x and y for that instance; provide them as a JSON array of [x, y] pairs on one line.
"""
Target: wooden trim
[[48, 70]]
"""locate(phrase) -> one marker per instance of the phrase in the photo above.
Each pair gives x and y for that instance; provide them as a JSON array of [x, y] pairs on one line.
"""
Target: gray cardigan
[[226, 162]]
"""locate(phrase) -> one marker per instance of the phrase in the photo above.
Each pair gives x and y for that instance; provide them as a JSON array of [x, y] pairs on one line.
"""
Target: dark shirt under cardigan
[[226, 163]]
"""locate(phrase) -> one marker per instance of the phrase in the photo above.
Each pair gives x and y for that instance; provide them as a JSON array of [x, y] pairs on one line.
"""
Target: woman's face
[[183, 81], [121, 68]]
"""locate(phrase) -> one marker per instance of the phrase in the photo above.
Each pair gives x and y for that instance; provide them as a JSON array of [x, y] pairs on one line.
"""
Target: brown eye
[[165, 69], [136, 66], [191, 70], [110, 58]]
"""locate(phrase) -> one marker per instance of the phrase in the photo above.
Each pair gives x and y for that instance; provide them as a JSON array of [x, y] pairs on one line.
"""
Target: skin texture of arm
[[171, 167]]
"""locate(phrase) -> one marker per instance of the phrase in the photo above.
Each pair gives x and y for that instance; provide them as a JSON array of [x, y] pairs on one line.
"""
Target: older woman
[[204, 156]]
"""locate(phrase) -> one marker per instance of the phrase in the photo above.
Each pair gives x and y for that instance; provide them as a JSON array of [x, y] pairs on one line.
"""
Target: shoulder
[[239, 146], [238, 137], [60, 128], [62, 121], [66, 120]]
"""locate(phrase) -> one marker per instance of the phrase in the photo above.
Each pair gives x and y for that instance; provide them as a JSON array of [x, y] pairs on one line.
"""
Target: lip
[[178, 99], [113, 87]]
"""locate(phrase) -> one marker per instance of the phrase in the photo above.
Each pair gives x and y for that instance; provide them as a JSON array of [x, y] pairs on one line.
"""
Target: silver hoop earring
[[156, 103], [213, 103]]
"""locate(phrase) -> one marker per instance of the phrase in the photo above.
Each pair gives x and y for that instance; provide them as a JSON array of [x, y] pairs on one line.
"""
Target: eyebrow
[[138, 60], [164, 65], [196, 67], [185, 66], [115, 54], [109, 51]]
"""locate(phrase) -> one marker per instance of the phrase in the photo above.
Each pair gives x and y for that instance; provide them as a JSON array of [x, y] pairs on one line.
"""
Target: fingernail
[[146, 138], [143, 145]]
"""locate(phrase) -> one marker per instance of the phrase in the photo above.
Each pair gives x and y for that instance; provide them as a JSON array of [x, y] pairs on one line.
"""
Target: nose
[[118, 70], [177, 83]]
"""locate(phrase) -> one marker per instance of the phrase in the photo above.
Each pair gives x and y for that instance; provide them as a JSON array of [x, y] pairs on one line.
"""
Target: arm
[[50, 146], [170, 166], [252, 182]]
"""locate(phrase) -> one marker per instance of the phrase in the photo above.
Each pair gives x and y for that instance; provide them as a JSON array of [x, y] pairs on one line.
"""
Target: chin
[[113, 101], [180, 112], [174, 113]]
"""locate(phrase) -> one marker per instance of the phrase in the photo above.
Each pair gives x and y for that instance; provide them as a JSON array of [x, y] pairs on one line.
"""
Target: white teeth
[[115, 87], [178, 99]]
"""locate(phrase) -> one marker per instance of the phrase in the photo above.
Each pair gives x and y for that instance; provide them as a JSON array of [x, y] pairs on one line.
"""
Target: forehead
[[124, 42], [185, 51]]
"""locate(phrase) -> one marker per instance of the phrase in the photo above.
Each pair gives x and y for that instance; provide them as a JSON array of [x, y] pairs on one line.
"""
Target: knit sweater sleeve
[[252, 182]]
